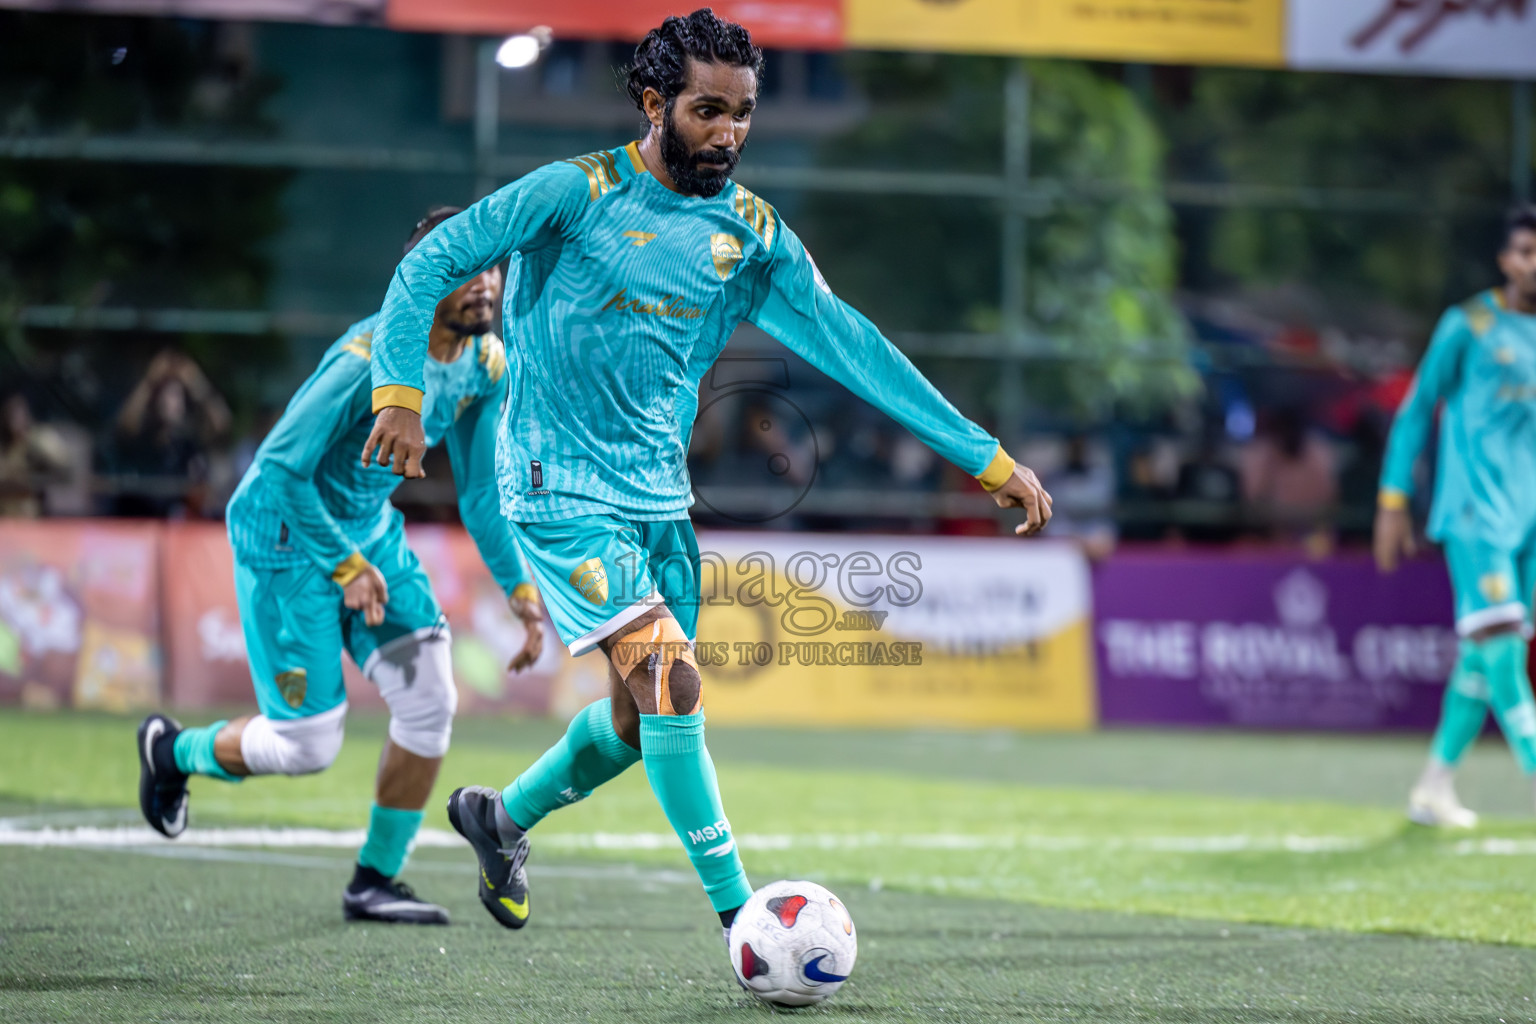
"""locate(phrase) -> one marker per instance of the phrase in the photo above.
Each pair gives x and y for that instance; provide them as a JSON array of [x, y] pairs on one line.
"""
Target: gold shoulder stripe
[[591, 178], [635, 159], [602, 172], [610, 166], [361, 346], [1479, 316], [756, 213], [493, 356], [594, 168]]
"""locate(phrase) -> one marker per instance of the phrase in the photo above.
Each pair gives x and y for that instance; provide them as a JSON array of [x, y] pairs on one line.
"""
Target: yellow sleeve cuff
[[397, 396], [998, 471], [525, 592], [1391, 499], [350, 569]]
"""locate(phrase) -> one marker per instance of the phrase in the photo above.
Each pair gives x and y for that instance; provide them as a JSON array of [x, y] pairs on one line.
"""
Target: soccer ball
[[793, 944]]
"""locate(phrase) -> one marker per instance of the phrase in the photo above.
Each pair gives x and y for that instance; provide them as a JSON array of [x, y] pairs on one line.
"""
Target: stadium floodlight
[[518, 51]]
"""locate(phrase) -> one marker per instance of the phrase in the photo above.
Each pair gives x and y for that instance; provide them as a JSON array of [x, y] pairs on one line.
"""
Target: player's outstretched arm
[[531, 213], [318, 417], [793, 303], [472, 452], [1438, 374]]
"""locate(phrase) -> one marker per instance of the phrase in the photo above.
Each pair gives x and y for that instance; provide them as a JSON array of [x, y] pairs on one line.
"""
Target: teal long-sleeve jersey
[[1481, 363], [307, 498], [620, 295]]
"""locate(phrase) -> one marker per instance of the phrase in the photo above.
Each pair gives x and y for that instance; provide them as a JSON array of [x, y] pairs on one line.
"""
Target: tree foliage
[[1100, 251], [97, 233], [1424, 163]]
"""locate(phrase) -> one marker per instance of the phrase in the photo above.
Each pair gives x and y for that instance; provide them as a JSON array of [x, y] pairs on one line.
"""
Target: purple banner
[[1262, 641]]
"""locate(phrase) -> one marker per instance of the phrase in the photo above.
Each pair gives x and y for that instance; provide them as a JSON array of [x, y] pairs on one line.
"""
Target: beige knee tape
[[660, 645]]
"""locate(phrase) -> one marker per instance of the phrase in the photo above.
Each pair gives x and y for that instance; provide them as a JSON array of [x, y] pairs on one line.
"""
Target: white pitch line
[[617, 872], [123, 837]]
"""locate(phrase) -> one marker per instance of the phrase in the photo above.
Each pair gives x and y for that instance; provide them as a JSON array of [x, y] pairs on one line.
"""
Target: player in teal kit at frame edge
[[629, 270], [1481, 363], [321, 565]]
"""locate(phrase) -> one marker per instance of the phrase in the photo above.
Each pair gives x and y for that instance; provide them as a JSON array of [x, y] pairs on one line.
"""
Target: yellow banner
[[800, 629], [1249, 32]]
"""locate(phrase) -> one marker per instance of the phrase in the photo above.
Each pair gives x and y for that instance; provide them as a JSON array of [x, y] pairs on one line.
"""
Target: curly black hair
[[1521, 218], [661, 59], [434, 217]]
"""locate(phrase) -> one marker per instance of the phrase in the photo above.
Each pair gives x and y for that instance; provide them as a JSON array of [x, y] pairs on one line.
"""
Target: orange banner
[[797, 24], [79, 614], [207, 663]]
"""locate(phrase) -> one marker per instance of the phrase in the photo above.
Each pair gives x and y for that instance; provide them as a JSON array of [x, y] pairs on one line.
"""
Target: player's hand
[[367, 593], [1392, 538], [529, 609], [1023, 490], [398, 440]]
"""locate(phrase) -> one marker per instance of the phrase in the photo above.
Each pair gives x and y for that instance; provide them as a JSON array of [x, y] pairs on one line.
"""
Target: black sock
[[728, 916], [367, 878]]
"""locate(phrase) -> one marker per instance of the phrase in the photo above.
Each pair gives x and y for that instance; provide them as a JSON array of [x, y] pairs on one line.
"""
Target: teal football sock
[[391, 835], [588, 755], [682, 776], [1464, 709], [194, 752], [1510, 686]]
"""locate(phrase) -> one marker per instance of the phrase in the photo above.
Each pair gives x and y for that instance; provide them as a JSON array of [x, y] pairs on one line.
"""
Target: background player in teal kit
[[630, 268], [1481, 363], [321, 566]]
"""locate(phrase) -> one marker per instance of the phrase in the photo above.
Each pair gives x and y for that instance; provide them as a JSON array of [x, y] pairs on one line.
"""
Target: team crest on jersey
[[590, 579], [725, 250], [293, 685], [1495, 587]]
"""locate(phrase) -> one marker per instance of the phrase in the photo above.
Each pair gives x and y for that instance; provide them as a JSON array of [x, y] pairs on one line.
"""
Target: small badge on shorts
[[536, 478], [293, 684], [590, 578], [1495, 587]]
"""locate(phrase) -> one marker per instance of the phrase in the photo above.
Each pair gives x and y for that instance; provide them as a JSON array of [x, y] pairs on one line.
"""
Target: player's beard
[[469, 329], [473, 324], [683, 164]]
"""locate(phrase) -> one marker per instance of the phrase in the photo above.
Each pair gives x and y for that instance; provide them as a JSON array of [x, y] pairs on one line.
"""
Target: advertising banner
[[205, 646], [1464, 38], [207, 664], [1271, 642], [829, 629], [797, 24], [1163, 31], [79, 614], [327, 12]]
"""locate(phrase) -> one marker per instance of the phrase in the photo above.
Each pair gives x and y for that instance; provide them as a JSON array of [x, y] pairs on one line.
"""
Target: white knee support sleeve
[[293, 746], [414, 675]]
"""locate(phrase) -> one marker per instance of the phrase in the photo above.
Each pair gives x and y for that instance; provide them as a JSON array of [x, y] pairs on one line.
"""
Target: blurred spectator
[[32, 456], [1210, 489], [1083, 493], [165, 431], [1146, 492], [1290, 478]]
